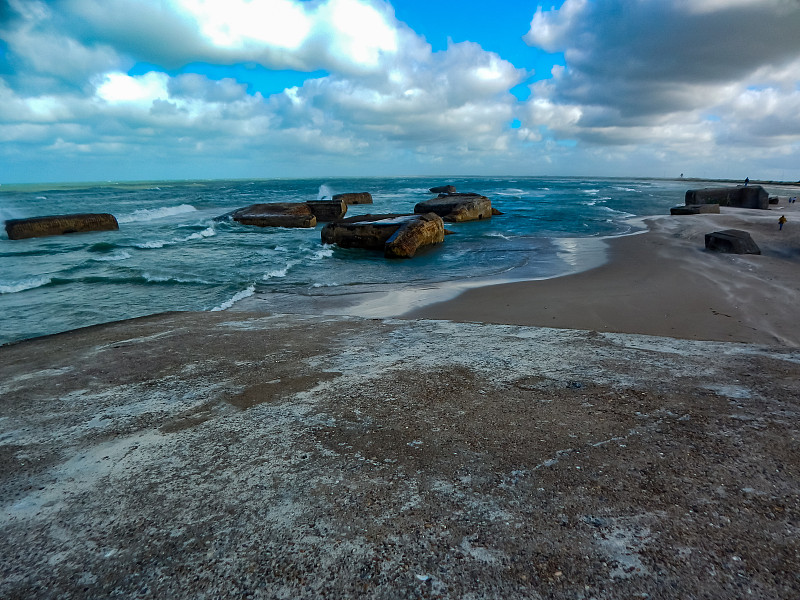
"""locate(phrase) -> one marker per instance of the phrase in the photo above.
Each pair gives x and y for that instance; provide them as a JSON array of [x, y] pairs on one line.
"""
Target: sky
[[100, 90]]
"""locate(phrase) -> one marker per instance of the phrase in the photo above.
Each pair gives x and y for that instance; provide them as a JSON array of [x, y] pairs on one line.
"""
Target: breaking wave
[[26, 284], [150, 214], [251, 289]]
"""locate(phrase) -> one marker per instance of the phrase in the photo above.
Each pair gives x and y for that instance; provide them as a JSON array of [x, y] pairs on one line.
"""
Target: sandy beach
[[664, 283], [627, 432]]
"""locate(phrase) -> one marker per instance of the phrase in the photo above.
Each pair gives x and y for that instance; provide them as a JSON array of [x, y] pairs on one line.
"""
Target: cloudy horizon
[[213, 89]]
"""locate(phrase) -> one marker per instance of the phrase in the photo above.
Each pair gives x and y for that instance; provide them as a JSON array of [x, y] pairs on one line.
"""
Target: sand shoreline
[[662, 282]]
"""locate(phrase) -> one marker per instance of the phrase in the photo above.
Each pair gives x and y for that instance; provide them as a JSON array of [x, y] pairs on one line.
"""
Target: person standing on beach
[[746, 181], [781, 221]]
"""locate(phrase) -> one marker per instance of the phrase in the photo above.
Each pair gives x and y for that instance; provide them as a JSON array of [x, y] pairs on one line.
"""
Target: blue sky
[[182, 89]]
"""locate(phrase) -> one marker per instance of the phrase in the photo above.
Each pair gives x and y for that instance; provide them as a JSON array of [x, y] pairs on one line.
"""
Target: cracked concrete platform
[[209, 455]]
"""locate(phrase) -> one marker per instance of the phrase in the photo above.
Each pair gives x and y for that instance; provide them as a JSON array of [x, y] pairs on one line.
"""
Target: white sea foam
[[26, 284], [41, 197], [169, 278], [236, 297], [120, 255], [591, 192], [321, 285], [150, 245], [500, 235], [280, 272], [325, 252], [207, 232], [325, 191], [150, 214]]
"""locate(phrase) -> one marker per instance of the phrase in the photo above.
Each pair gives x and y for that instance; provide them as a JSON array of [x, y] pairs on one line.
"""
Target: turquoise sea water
[[170, 253]]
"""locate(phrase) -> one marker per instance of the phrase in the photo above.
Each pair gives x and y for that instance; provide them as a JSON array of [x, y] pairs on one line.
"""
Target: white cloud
[[145, 89], [689, 78]]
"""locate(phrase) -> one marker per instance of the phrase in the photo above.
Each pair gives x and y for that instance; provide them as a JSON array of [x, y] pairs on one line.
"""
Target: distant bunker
[[731, 241], [19, 229], [457, 207], [276, 214], [354, 197], [399, 236], [753, 196]]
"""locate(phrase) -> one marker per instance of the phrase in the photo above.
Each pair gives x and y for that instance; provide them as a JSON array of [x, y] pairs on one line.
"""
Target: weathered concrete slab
[[18, 229], [218, 455], [327, 210], [457, 207], [399, 236], [752, 196], [276, 214], [354, 197]]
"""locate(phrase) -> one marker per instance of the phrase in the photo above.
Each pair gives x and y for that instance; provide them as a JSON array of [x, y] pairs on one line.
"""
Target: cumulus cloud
[[669, 73], [386, 93]]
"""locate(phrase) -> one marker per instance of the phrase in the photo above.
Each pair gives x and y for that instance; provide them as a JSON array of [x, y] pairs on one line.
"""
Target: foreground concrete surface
[[220, 455]]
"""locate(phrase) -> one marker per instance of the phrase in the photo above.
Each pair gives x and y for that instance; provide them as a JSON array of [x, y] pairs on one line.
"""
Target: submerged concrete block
[[354, 198], [732, 241], [327, 210], [457, 207], [753, 196], [399, 236], [276, 214], [443, 189], [19, 229]]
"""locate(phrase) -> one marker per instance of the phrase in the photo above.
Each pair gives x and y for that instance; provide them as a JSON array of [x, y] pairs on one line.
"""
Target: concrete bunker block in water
[[19, 229], [443, 189], [456, 208], [327, 210], [276, 214], [354, 197], [753, 196], [731, 241], [399, 236]]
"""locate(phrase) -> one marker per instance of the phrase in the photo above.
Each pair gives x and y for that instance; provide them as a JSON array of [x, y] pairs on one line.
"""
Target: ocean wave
[[207, 232], [321, 285], [251, 289], [509, 192], [280, 272], [121, 255], [495, 234], [591, 192], [625, 189], [151, 245], [325, 252], [149, 278], [198, 235], [26, 284], [102, 247], [150, 214]]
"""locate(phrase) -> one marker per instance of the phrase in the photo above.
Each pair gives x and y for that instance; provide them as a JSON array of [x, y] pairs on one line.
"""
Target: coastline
[[661, 282]]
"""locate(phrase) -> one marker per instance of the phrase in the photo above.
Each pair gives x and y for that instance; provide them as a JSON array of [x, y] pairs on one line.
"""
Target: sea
[[172, 254]]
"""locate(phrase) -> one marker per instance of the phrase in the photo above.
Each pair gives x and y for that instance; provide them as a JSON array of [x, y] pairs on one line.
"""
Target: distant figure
[[681, 175], [746, 181], [781, 221]]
